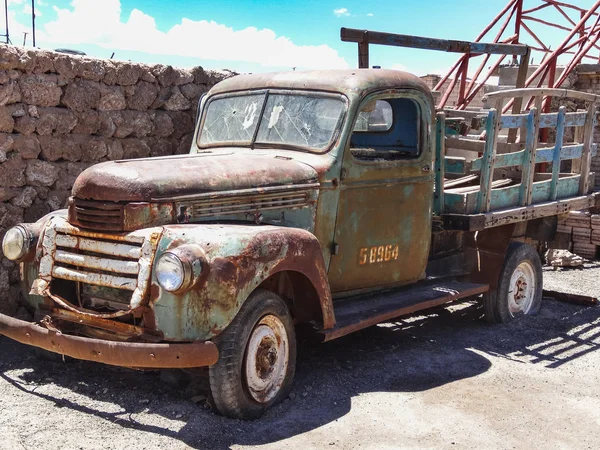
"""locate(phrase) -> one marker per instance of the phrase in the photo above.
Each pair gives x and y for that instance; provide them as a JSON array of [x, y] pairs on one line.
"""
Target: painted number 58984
[[381, 253]]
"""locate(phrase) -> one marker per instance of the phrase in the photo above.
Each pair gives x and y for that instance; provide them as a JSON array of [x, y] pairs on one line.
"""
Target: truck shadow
[[415, 354]]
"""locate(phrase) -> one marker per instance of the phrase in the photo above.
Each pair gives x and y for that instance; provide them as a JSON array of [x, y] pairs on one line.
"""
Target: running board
[[358, 312]]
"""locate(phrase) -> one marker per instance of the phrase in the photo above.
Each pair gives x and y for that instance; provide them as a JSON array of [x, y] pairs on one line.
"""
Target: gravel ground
[[441, 380]]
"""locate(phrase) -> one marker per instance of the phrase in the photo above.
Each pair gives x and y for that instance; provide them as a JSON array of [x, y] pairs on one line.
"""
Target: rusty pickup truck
[[338, 199]]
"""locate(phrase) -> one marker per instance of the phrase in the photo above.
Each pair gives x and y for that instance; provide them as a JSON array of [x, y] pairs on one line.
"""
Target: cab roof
[[350, 82]]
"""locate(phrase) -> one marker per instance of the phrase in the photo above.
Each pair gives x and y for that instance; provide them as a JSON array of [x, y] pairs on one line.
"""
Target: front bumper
[[124, 354]]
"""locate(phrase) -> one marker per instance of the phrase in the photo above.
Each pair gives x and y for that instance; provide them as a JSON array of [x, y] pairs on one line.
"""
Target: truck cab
[[307, 197]]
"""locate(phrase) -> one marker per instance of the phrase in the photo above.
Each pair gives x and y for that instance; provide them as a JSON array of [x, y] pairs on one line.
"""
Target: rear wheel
[[257, 358], [519, 288]]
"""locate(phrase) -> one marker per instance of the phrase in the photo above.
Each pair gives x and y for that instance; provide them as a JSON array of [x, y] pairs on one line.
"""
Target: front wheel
[[257, 358], [519, 288]]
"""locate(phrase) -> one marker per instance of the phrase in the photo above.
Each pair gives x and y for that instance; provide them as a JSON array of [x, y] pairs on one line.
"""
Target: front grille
[[199, 209], [91, 261], [96, 215], [111, 263]]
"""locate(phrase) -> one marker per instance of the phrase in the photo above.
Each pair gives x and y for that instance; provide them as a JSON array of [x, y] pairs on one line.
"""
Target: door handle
[[426, 168]]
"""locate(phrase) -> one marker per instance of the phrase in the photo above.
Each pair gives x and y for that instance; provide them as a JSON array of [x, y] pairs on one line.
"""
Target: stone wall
[[60, 114]]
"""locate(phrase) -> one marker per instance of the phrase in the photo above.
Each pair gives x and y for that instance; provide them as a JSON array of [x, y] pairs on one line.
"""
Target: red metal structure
[[516, 24]]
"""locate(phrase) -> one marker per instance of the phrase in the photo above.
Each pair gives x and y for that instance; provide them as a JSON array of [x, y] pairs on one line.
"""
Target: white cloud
[[28, 10], [341, 12], [369, 14], [85, 23]]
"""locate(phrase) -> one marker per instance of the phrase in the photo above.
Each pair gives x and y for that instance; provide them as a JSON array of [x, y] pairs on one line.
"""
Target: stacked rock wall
[[59, 114]]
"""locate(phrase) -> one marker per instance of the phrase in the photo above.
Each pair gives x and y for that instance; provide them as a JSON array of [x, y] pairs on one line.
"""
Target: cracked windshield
[[301, 120]]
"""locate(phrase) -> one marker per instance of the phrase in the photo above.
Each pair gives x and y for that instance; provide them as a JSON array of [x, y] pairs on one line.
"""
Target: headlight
[[179, 269], [16, 243]]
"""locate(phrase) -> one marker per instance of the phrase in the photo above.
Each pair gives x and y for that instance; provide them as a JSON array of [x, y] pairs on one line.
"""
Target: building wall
[[433, 80], [60, 114]]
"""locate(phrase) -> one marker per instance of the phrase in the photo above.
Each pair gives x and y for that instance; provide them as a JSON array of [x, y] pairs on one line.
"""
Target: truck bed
[[505, 179]]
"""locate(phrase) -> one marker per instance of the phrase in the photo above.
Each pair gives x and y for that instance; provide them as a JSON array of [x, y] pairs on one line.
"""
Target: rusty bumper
[[124, 354]]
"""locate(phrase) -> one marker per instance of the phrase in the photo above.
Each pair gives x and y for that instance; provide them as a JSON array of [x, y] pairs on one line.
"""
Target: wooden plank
[[458, 181], [577, 299], [540, 92], [502, 160], [567, 187], [511, 121], [444, 45], [578, 137], [465, 144], [588, 137], [560, 131], [529, 157], [440, 162], [505, 197], [489, 156], [520, 83], [547, 120], [541, 191], [571, 151], [478, 146], [478, 222], [454, 203], [456, 165], [467, 189]]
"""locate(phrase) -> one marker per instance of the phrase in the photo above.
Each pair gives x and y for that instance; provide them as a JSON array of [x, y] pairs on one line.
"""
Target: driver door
[[383, 225]]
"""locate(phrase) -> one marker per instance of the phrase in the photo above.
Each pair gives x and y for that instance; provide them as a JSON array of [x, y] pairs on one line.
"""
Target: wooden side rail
[[540, 92]]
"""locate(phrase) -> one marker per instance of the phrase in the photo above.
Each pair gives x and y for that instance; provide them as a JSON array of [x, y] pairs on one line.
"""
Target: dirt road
[[444, 380]]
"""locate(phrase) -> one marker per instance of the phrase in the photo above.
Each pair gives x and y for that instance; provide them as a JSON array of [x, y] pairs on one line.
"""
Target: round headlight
[[181, 268], [170, 272], [16, 243]]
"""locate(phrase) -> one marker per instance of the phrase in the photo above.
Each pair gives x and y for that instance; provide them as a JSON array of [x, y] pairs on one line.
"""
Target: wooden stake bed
[[509, 182], [478, 222]]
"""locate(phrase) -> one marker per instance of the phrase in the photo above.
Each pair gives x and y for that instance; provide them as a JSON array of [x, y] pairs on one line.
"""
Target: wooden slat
[[513, 121], [588, 137], [520, 82], [489, 156], [571, 151], [578, 137], [467, 189], [547, 120], [456, 165], [540, 92], [459, 181], [478, 222], [502, 160], [440, 162], [560, 130], [529, 157]]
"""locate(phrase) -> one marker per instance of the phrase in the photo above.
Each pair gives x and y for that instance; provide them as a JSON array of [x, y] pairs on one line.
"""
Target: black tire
[[229, 383], [497, 306]]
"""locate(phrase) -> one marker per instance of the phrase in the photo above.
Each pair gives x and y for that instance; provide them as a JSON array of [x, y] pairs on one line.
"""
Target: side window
[[375, 116], [387, 130]]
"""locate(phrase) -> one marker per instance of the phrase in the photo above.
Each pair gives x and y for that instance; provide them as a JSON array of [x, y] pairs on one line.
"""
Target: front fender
[[238, 259]]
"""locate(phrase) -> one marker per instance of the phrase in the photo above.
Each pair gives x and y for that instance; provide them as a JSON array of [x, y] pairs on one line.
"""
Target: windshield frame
[[278, 145]]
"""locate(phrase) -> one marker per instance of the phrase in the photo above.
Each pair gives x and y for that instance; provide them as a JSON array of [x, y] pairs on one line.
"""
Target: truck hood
[[165, 177]]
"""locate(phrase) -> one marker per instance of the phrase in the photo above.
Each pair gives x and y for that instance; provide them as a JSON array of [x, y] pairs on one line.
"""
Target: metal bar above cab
[[444, 45]]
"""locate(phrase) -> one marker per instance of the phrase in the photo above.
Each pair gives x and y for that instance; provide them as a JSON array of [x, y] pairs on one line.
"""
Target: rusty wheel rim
[[266, 359], [522, 289]]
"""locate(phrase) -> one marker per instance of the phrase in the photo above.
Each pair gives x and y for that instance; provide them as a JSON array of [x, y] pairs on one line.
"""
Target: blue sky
[[250, 36]]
